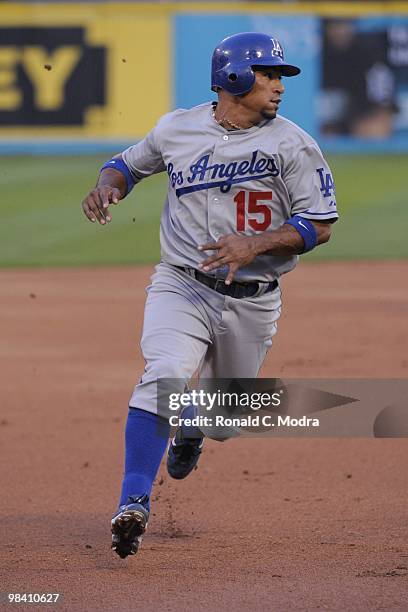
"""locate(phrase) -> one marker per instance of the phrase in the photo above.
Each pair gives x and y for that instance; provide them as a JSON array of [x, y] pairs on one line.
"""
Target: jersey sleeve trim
[[319, 216]]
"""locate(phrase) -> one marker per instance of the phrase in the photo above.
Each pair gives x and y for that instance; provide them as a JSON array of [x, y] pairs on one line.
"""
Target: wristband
[[117, 163], [306, 229]]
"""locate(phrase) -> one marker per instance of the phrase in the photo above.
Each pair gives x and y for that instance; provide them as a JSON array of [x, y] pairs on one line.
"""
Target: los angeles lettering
[[203, 171]]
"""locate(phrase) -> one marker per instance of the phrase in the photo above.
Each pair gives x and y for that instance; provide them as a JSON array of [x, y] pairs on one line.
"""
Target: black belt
[[235, 290]]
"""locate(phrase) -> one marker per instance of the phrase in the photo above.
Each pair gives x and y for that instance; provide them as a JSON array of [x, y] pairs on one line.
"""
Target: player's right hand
[[96, 204]]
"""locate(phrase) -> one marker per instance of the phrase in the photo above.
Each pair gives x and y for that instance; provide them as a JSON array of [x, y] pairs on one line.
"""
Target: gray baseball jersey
[[241, 181]]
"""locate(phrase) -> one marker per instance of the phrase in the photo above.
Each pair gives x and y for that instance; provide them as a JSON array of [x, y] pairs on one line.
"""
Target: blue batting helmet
[[234, 57]]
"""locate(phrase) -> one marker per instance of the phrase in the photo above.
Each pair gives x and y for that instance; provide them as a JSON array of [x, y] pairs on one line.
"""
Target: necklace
[[224, 119]]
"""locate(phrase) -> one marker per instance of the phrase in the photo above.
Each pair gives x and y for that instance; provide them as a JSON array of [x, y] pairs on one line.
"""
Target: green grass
[[42, 223]]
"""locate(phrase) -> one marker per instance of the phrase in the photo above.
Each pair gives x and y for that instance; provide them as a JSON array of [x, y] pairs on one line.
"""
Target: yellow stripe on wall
[[45, 12]]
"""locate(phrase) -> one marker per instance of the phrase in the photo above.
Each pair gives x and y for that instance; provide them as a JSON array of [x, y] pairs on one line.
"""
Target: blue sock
[[146, 438]]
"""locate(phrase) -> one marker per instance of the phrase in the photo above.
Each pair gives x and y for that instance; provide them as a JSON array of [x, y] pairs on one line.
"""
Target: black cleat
[[183, 455], [129, 524]]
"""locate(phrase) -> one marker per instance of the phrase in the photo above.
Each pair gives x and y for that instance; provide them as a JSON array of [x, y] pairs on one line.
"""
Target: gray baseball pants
[[190, 327]]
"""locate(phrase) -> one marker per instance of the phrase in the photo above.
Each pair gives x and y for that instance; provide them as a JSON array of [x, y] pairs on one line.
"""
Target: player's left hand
[[232, 250]]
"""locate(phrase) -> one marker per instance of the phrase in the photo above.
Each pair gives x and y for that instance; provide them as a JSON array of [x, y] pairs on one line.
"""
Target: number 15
[[253, 208]]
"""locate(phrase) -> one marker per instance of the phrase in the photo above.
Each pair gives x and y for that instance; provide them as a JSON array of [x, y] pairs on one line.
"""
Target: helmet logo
[[277, 50]]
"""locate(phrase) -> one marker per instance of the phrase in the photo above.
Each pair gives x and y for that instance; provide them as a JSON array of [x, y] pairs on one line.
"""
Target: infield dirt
[[272, 524]]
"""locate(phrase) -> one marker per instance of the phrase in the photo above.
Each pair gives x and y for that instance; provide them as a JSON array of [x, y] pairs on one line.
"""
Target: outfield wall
[[87, 77]]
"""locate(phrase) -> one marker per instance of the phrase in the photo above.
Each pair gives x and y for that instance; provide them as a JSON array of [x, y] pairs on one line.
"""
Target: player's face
[[266, 94]]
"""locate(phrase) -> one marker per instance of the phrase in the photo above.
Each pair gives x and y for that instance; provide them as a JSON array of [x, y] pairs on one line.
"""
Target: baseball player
[[248, 192]]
